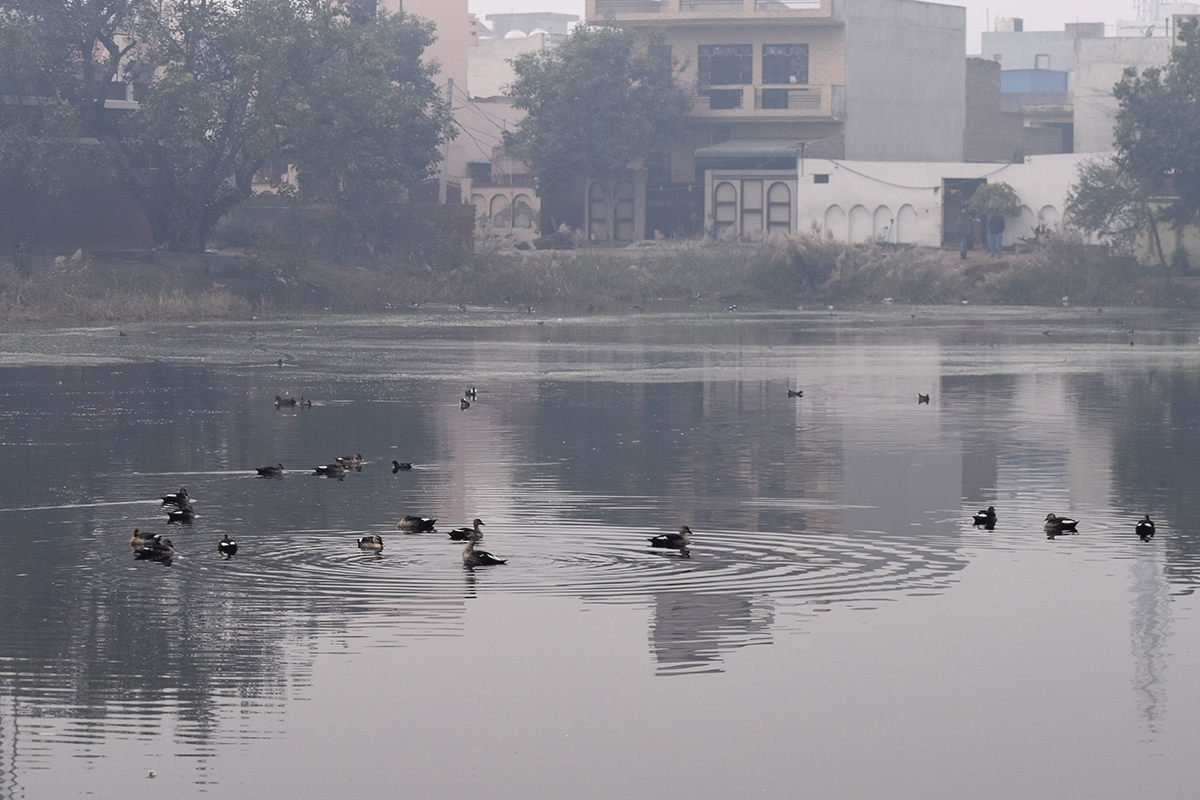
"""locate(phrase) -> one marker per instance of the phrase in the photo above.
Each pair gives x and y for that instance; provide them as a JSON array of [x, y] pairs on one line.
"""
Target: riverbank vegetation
[[102, 289]]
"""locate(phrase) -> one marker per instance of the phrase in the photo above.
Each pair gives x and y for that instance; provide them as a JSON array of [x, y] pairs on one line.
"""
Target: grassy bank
[[100, 289]]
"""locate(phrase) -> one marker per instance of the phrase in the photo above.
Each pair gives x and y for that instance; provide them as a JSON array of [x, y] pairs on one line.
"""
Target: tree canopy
[[597, 104], [1156, 131], [223, 88], [995, 198]]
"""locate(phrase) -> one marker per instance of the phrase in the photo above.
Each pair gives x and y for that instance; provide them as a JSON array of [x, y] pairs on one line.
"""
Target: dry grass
[[779, 273]]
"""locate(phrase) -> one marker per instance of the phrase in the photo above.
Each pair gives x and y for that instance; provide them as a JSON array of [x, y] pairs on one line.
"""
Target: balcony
[[752, 102], [660, 11]]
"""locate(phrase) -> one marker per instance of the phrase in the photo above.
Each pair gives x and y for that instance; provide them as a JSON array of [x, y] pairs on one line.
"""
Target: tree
[[995, 198], [597, 104], [1109, 203], [1155, 136], [225, 87]]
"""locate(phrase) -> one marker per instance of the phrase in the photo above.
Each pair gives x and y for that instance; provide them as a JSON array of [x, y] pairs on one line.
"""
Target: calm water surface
[[840, 629]]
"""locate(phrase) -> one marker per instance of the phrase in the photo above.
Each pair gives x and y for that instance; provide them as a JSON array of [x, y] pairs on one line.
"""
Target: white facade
[[893, 202], [1102, 62]]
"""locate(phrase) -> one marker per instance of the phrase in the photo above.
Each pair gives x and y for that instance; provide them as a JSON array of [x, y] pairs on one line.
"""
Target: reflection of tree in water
[[1155, 424], [690, 632], [1149, 630]]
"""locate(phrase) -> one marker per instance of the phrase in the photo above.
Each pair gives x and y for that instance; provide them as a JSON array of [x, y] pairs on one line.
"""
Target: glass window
[[724, 99], [785, 63], [779, 208], [726, 64], [725, 209], [775, 98]]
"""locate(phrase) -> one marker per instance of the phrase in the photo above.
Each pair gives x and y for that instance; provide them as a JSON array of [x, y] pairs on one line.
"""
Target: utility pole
[[444, 179]]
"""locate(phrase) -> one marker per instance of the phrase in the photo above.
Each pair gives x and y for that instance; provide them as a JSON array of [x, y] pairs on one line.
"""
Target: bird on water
[[478, 558], [401, 466], [1145, 528], [987, 517], [411, 524], [372, 542], [179, 498], [1055, 525], [461, 534], [275, 471], [676, 541], [227, 546]]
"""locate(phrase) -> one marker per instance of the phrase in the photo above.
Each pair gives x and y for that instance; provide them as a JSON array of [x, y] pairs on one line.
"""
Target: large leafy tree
[[596, 104], [224, 87]]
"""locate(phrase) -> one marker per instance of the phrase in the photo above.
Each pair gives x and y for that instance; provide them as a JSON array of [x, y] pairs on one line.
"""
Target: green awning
[[752, 148]]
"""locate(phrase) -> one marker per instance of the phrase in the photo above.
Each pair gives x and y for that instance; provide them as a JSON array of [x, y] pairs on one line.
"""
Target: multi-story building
[[856, 79]]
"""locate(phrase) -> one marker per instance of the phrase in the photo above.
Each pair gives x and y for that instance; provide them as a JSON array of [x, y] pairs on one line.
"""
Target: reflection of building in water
[[1149, 630], [690, 632], [9, 787]]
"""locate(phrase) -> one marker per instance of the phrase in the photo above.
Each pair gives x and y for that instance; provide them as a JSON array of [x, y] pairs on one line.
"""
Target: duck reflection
[[691, 632]]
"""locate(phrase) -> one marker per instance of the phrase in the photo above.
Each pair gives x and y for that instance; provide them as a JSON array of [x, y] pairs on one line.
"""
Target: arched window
[[481, 208], [522, 212], [906, 225], [724, 208], [883, 223], [779, 208], [500, 212], [597, 212], [836, 227], [624, 224], [860, 225]]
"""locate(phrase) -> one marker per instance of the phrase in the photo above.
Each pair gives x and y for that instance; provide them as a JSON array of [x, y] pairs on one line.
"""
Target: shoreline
[[103, 290]]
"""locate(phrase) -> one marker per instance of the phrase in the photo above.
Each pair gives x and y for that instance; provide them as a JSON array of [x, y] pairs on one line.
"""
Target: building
[[856, 79], [913, 203], [1102, 63], [995, 131], [1038, 73], [557, 26]]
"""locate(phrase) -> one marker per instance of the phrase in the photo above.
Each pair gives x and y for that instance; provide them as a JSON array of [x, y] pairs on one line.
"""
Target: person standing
[[995, 229], [966, 232]]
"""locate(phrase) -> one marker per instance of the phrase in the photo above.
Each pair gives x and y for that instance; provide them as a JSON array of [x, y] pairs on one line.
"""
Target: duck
[[461, 534], [353, 462], [372, 542], [478, 558], [157, 549], [1145, 528], [987, 517], [275, 471], [401, 466], [182, 516], [411, 524], [227, 546], [464, 404], [140, 539], [305, 403], [1055, 524], [922, 399], [179, 498], [795, 393], [281, 402], [334, 470], [470, 394], [677, 541]]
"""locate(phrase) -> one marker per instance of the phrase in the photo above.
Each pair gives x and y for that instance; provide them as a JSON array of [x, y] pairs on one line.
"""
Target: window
[[724, 99], [725, 64], [752, 207], [725, 207], [824, 178], [1041, 62], [598, 212], [785, 63], [779, 208], [775, 98]]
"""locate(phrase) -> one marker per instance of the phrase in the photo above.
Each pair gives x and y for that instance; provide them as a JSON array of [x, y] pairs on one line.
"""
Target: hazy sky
[[1038, 14]]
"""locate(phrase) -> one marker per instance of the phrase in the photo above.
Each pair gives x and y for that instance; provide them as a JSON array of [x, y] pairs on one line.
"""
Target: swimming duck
[[464, 404], [182, 516], [470, 393], [353, 462], [140, 539], [270, 472], [986, 517], [922, 399], [281, 402], [401, 466], [677, 541], [227, 546], [372, 542], [305, 403], [334, 470], [1056, 524], [461, 534], [795, 393], [411, 524], [1145, 528], [158, 549], [478, 558], [179, 498]]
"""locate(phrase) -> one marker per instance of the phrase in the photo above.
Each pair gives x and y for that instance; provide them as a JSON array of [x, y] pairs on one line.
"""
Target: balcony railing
[[597, 10], [766, 102]]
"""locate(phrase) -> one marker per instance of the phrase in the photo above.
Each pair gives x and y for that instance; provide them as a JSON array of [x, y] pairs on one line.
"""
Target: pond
[[838, 627]]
